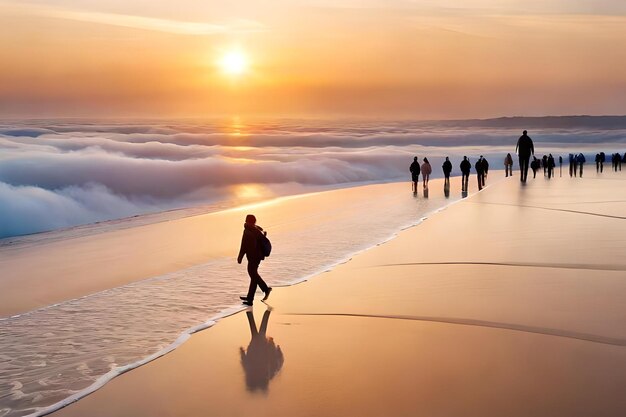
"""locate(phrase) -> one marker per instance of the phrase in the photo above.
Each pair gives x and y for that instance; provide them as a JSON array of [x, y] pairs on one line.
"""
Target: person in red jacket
[[251, 247]]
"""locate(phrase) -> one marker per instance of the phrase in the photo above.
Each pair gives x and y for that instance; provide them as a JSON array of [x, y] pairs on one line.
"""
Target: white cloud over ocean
[[55, 175]]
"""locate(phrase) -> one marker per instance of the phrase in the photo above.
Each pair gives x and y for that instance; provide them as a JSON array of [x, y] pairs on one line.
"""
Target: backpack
[[265, 245]]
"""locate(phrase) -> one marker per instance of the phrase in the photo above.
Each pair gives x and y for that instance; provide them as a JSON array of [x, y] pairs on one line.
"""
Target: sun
[[234, 62]]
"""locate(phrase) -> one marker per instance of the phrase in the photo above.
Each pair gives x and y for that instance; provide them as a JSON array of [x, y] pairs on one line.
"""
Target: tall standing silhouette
[[524, 149]]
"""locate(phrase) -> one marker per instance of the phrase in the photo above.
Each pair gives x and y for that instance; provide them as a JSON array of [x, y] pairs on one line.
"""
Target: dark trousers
[[581, 170], [255, 279], [523, 167], [481, 180], [464, 181]]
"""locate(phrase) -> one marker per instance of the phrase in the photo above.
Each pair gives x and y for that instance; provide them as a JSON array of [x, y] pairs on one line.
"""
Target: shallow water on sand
[[53, 353]]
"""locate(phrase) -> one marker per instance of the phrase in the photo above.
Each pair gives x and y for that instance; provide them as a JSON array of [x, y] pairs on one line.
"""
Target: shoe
[[267, 294], [243, 298], [247, 303]]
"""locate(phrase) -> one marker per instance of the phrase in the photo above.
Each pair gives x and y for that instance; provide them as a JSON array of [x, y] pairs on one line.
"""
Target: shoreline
[[289, 309], [212, 321], [53, 254]]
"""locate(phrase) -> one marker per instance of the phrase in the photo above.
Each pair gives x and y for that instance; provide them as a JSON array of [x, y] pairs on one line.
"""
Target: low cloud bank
[[59, 175]]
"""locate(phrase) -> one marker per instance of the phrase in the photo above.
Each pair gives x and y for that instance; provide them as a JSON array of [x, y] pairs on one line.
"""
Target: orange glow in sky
[[372, 58]]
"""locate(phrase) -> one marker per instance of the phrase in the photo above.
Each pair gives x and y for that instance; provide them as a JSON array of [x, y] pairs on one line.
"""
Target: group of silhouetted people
[[481, 167], [525, 150], [425, 170], [616, 161]]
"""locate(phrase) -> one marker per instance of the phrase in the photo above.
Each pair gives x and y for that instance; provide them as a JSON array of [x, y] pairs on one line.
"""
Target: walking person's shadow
[[263, 359]]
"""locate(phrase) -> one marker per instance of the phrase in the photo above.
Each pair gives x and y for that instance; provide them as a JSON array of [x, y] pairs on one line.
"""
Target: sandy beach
[[510, 302], [43, 271]]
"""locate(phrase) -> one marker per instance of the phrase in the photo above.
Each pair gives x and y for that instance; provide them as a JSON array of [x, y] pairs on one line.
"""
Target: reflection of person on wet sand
[[263, 359]]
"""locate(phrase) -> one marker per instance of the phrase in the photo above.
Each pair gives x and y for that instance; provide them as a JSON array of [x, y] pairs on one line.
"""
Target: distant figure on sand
[[251, 247], [560, 166], [415, 173], [479, 166], [508, 165], [426, 171], [465, 166], [602, 161], [447, 169], [580, 159], [263, 359], [598, 162], [571, 165], [534, 165], [524, 149], [551, 166]]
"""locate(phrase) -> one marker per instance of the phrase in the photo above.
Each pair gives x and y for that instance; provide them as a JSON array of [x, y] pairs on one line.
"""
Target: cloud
[[55, 175], [178, 27]]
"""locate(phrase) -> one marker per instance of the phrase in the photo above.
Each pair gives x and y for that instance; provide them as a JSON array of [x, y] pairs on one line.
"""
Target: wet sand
[[511, 302], [51, 268]]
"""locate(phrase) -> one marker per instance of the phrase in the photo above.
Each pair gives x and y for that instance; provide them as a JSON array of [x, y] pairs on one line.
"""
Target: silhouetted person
[[575, 165], [251, 247], [480, 172], [485, 167], [426, 171], [466, 167], [534, 165], [508, 165], [571, 165], [263, 359], [581, 161], [560, 166], [447, 169], [619, 161], [598, 162], [551, 166], [415, 173], [524, 149], [602, 161], [544, 165]]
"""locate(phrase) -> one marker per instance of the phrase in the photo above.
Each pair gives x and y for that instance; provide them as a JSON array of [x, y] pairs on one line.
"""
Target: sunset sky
[[330, 58]]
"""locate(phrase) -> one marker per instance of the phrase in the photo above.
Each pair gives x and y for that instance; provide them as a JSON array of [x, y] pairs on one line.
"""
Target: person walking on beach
[[426, 171], [447, 169], [465, 166], [571, 165], [598, 162], [551, 166], [534, 165], [479, 166], [252, 248], [415, 173], [544, 165], [508, 165], [524, 149], [485, 168], [602, 161], [581, 161], [560, 166]]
